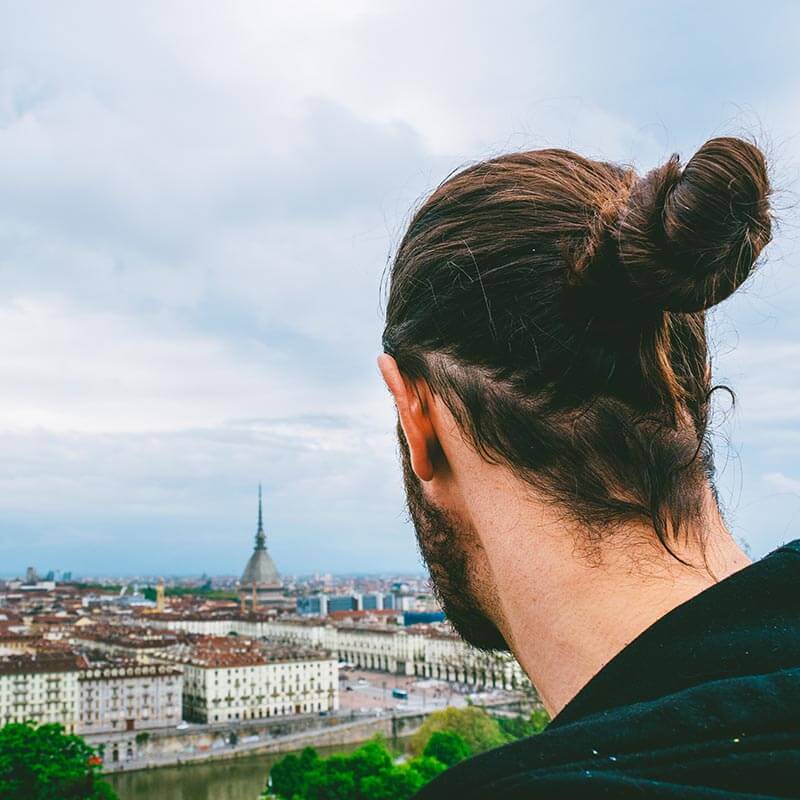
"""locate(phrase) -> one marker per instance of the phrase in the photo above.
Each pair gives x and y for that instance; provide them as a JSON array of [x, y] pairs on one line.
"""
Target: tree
[[288, 776], [520, 726], [540, 719], [44, 763], [331, 780], [474, 725], [343, 776], [447, 747], [395, 783], [368, 773], [427, 766], [369, 759]]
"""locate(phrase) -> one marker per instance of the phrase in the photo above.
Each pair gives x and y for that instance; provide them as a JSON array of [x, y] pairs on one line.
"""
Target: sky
[[198, 202]]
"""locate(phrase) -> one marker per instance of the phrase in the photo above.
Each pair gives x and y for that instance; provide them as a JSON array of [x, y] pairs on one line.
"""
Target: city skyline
[[68, 574], [192, 244]]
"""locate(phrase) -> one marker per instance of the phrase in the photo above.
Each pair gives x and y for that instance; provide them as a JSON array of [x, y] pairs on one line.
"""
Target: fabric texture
[[703, 704]]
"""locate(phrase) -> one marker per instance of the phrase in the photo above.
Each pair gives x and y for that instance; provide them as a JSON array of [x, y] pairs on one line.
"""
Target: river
[[235, 779]]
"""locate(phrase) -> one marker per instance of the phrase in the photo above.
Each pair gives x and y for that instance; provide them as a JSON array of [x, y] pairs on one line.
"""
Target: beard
[[445, 542]]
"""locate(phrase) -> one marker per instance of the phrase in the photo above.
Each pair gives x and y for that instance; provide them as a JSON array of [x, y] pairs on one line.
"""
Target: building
[[261, 583], [231, 678], [342, 603], [422, 617], [160, 597], [140, 644], [313, 606], [128, 697], [320, 605], [41, 687], [32, 583], [424, 651]]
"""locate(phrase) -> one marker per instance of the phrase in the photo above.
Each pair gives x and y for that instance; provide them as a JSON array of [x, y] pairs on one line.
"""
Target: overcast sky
[[197, 203]]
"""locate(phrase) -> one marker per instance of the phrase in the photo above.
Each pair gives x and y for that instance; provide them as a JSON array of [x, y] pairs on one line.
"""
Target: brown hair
[[556, 304]]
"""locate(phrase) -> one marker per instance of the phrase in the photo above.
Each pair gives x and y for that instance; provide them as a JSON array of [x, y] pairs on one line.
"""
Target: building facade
[[234, 679], [320, 605], [424, 651], [41, 687], [129, 697]]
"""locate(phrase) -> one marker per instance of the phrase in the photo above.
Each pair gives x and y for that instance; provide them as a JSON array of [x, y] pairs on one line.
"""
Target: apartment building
[[425, 651], [232, 678], [128, 697], [40, 687]]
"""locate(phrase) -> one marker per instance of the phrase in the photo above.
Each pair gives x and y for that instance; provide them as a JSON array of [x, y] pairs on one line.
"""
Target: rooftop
[[130, 636], [235, 651], [26, 663]]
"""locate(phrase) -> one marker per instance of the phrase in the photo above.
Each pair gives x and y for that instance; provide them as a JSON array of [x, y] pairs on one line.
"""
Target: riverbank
[[176, 748], [239, 779]]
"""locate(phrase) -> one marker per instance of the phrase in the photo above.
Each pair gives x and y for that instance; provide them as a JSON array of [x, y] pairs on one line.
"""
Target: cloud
[[328, 503], [782, 483], [197, 203]]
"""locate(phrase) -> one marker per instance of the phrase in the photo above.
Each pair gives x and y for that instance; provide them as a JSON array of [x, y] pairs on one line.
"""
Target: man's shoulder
[[717, 737]]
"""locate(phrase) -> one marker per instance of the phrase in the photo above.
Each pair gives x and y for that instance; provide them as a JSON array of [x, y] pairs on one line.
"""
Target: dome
[[261, 570]]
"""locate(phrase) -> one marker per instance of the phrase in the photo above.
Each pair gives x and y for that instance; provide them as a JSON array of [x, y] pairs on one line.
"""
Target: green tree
[[369, 759], [540, 719], [288, 776], [520, 726], [204, 591], [479, 730], [395, 783], [368, 773], [331, 780], [515, 727], [448, 747], [45, 763], [427, 766]]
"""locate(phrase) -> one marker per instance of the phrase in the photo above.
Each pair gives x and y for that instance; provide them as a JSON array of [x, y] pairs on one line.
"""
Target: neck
[[566, 609]]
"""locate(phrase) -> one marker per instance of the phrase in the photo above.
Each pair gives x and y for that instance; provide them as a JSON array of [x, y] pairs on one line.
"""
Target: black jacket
[[704, 704]]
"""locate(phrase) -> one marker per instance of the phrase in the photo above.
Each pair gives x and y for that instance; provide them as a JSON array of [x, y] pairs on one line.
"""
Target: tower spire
[[260, 536]]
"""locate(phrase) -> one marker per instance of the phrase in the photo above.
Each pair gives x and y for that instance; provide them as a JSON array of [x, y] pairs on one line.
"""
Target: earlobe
[[413, 415]]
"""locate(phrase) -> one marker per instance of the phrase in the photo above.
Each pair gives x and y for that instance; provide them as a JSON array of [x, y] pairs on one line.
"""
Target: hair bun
[[687, 238]]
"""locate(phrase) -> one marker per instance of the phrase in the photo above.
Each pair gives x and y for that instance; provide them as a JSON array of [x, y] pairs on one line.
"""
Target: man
[[545, 347]]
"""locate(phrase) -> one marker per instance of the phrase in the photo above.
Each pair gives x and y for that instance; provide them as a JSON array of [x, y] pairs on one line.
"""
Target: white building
[[230, 678], [128, 697], [425, 651], [41, 687]]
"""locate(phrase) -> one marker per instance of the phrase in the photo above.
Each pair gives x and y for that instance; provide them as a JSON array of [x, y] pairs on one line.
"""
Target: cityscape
[[339, 336], [154, 672]]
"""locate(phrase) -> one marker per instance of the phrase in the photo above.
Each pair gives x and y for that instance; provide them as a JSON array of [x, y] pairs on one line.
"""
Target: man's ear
[[412, 400]]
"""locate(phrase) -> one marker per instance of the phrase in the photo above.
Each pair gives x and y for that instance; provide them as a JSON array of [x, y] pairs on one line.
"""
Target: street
[[361, 689]]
